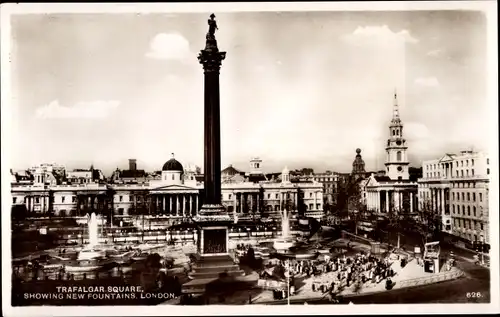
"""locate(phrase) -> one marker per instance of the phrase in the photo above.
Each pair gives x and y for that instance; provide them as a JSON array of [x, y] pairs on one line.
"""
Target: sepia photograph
[[211, 156]]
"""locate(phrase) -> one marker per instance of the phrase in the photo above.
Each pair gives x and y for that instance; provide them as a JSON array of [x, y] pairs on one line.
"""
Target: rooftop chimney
[[132, 164]]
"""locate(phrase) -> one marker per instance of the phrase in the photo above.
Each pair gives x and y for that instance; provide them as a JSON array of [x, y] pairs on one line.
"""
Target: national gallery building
[[175, 193]]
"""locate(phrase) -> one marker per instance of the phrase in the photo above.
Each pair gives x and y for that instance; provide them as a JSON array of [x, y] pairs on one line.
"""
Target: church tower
[[396, 151]]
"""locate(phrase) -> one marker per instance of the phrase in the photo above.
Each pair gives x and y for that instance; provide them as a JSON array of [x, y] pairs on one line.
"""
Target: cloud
[[435, 53], [416, 131], [378, 34], [171, 46], [374, 50], [89, 110], [427, 81]]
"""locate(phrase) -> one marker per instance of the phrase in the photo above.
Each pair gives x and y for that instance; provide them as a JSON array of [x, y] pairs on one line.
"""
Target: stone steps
[[215, 274], [221, 268]]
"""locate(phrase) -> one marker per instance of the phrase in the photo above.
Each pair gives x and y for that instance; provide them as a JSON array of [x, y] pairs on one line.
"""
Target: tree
[[395, 221], [19, 212], [428, 223]]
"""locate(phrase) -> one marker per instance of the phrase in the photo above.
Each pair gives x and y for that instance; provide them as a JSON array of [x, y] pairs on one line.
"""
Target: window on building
[[230, 196], [462, 163], [398, 156], [277, 196], [487, 161], [453, 208], [453, 196], [63, 199], [468, 210], [472, 162], [73, 199], [481, 197], [393, 132], [467, 163], [481, 226], [487, 171], [310, 206], [37, 200], [268, 196], [120, 198], [467, 172], [463, 210], [473, 196], [463, 196], [173, 178], [457, 173], [14, 200], [468, 196]]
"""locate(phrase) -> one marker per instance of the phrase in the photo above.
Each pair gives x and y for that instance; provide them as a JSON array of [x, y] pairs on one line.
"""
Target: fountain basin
[[281, 245], [91, 254]]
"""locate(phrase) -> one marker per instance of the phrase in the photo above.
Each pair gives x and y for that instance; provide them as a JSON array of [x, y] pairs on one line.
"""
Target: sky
[[298, 89]]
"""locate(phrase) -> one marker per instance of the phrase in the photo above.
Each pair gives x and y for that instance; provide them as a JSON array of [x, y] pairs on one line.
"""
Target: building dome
[[358, 166], [173, 165]]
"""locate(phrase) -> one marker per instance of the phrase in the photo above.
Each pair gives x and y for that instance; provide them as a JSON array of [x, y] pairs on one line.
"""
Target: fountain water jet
[[286, 241], [90, 252]]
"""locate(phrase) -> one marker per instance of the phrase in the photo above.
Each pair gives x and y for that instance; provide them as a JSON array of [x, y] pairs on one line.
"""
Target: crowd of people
[[333, 274]]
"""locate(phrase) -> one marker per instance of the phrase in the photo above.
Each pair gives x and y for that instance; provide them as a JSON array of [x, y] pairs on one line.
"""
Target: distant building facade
[[457, 185], [174, 193], [330, 181]]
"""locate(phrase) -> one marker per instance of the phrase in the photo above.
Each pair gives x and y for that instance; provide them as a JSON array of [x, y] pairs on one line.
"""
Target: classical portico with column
[[384, 195]]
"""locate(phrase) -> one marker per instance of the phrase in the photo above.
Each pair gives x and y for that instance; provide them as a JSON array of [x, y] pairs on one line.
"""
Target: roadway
[[474, 287]]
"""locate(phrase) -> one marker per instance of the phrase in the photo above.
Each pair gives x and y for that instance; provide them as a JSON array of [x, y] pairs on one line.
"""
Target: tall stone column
[[387, 201], [235, 203], [258, 203], [411, 202], [442, 201], [191, 205], [211, 59], [250, 196], [241, 203], [171, 209], [438, 200]]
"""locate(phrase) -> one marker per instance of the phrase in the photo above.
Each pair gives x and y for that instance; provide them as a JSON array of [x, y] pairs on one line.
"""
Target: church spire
[[396, 120], [395, 111]]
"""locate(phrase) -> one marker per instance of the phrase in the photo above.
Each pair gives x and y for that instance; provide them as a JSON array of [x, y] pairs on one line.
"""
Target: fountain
[[91, 250], [287, 241]]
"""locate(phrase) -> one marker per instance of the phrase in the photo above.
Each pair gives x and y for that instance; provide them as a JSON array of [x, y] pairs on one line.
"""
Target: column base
[[212, 212]]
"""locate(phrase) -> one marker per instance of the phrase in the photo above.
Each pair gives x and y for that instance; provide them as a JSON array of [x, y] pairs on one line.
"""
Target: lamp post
[[482, 248]]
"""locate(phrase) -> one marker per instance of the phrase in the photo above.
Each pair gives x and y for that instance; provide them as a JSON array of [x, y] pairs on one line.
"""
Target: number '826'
[[473, 295]]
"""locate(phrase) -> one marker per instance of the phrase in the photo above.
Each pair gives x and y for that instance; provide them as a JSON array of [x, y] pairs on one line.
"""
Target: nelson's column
[[212, 219]]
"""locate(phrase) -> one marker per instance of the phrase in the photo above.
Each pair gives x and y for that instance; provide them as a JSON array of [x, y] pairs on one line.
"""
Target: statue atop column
[[210, 57], [212, 26]]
